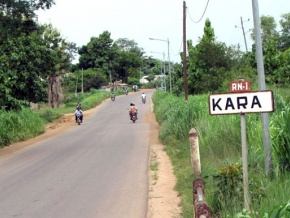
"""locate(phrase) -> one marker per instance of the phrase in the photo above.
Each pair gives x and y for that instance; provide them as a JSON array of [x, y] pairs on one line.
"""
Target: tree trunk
[[50, 91], [58, 90], [55, 91]]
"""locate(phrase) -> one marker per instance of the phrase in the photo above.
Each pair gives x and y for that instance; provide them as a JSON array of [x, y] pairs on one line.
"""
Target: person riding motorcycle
[[133, 110], [143, 97], [112, 96], [79, 105], [79, 112]]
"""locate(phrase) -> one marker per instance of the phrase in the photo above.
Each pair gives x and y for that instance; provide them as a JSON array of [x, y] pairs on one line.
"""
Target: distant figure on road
[[79, 112], [133, 109], [79, 105], [143, 98]]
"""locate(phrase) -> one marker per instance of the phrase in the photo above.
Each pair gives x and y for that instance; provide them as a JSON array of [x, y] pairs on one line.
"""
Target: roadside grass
[[87, 100], [154, 164], [21, 125], [221, 156]]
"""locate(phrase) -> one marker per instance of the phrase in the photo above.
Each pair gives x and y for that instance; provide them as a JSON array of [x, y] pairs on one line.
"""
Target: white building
[[143, 80]]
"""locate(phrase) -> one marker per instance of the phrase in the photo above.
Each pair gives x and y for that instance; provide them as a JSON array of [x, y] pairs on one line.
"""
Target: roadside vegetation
[[21, 125], [221, 157], [36, 67]]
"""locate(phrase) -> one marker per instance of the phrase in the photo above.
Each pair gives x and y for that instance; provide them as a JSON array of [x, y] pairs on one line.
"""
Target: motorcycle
[[144, 100], [113, 97], [79, 119], [126, 92], [134, 117]]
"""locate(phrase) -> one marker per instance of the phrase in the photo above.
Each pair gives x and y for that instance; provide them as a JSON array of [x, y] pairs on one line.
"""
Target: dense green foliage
[[220, 151], [32, 56], [19, 126], [117, 60], [212, 65]]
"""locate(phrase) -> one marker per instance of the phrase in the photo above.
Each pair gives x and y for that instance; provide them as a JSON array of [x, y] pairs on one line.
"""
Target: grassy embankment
[[22, 125], [221, 155]]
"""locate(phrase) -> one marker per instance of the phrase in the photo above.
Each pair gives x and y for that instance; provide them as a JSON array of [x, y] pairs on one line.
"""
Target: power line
[[179, 49], [201, 16]]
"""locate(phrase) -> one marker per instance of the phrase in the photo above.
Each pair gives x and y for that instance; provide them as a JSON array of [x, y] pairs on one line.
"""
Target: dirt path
[[163, 201]]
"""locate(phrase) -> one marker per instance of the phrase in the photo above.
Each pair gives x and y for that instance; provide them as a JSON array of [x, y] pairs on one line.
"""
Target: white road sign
[[237, 103]]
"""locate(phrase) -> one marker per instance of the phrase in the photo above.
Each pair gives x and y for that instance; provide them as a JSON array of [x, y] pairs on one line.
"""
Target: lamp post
[[161, 69], [169, 70]]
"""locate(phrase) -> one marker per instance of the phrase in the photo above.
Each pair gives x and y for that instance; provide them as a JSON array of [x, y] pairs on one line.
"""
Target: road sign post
[[241, 100]]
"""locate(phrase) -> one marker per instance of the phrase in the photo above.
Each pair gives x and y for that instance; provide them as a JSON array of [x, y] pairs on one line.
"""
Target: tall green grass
[[26, 123], [18, 126], [87, 100], [220, 149]]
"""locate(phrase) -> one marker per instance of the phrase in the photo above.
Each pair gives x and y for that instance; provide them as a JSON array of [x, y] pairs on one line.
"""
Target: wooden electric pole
[[244, 35], [184, 53]]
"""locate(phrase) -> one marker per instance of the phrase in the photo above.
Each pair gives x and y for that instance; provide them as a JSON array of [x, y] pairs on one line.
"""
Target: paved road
[[96, 170]]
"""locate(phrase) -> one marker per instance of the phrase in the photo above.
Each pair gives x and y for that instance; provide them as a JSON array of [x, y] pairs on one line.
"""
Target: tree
[[23, 54], [275, 62], [268, 26], [21, 71], [207, 62], [150, 77], [91, 79], [119, 60], [151, 66], [129, 58], [284, 41], [61, 54], [17, 17], [129, 45], [268, 29], [97, 53]]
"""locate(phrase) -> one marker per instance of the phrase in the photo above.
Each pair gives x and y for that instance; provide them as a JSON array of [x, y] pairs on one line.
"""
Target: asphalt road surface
[[95, 170]]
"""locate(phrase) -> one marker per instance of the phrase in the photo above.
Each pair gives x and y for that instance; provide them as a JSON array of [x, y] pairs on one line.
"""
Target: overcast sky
[[140, 20]]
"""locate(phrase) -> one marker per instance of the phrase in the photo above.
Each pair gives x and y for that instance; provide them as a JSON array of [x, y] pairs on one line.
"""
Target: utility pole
[[244, 34], [76, 91], [184, 53], [82, 80], [169, 67], [262, 86], [162, 66]]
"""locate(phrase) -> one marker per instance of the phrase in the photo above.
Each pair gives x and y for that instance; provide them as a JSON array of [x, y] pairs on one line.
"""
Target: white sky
[[140, 20]]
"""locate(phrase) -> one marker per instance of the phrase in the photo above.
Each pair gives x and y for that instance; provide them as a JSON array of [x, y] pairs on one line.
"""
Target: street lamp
[[164, 82], [169, 70]]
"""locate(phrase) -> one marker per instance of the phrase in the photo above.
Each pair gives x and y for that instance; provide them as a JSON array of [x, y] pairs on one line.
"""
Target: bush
[[17, 126]]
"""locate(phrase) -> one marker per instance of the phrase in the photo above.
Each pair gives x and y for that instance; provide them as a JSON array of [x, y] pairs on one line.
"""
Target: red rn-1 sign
[[239, 103], [240, 86]]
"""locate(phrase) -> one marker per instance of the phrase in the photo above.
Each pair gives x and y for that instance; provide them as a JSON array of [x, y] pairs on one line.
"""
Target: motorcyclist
[[143, 97], [133, 109], [79, 105], [79, 112], [112, 96]]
